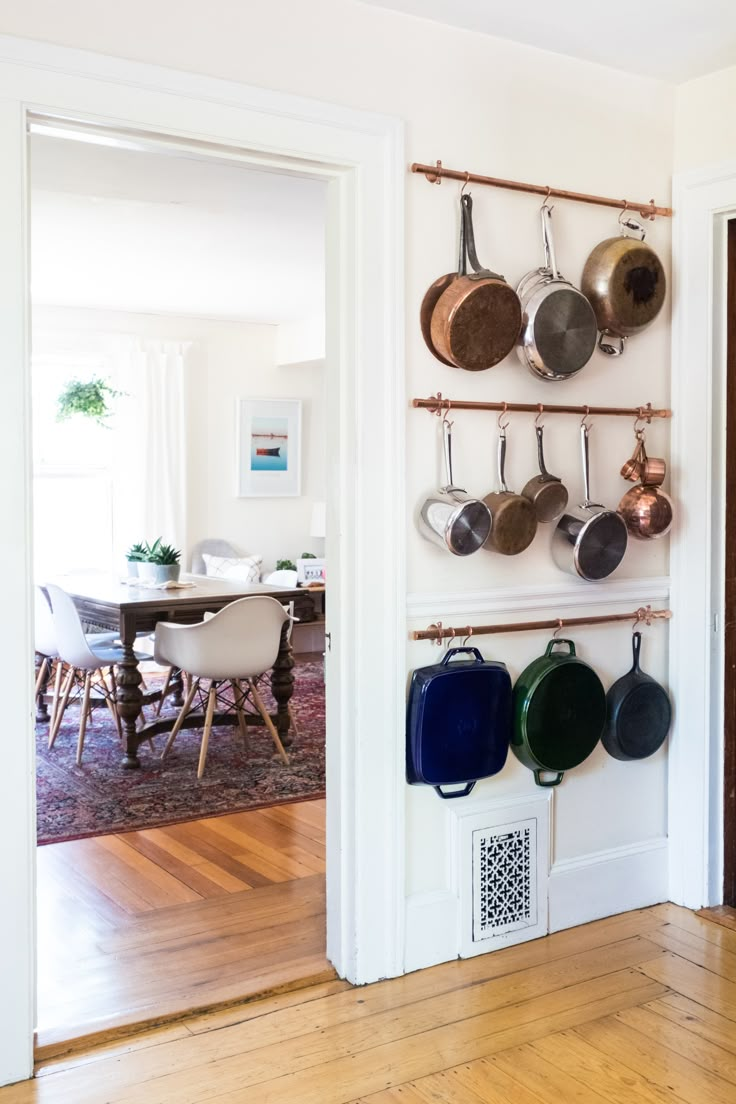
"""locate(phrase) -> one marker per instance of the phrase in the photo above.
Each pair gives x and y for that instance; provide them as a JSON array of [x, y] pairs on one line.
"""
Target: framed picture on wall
[[268, 447]]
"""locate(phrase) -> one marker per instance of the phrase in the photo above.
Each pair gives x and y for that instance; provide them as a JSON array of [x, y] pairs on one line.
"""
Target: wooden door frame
[[704, 202], [729, 562], [361, 156]]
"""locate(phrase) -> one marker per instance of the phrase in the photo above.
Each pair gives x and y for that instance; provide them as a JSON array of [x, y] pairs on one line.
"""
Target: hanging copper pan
[[477, 317], [625, 282]]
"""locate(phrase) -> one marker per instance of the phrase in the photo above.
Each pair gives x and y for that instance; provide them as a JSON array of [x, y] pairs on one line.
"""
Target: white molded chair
[[237, 644], [86, 657], [46, 647]]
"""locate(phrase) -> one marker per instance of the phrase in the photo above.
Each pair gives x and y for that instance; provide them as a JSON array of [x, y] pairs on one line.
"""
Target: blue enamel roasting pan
[[458, 722]]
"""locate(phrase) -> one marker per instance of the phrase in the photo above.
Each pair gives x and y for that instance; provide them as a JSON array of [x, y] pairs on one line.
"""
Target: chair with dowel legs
[[87, 663], [46, 649], [232, 647]]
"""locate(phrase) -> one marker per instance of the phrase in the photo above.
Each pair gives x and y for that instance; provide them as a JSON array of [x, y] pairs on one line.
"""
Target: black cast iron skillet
[[638, 713]]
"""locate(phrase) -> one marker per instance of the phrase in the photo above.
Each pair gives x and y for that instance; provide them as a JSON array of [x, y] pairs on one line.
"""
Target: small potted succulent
[[160, 563], [135, 555]]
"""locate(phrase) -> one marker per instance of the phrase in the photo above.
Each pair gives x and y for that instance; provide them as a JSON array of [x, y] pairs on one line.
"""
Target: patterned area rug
[[100, 797]]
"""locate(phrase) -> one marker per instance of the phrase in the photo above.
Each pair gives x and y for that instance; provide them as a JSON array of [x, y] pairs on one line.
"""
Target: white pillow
[[243, 569]]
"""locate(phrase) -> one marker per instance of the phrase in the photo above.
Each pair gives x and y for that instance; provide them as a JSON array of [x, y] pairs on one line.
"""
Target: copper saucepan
[[514, 517], [477, 317]]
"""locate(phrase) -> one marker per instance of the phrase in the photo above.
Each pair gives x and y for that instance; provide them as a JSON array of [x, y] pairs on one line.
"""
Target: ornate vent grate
[[504, 879]]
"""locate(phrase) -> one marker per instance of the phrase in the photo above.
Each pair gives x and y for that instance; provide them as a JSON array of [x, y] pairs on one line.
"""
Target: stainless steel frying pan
[[558, 329]]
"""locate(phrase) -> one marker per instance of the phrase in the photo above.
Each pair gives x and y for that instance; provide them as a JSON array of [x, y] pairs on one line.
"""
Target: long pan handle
[[550, 261], [540, 451], [502, 462], [584, 432]]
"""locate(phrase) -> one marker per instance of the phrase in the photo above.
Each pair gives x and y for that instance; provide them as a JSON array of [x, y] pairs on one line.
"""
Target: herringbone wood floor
[[635, 1008], [159, 922]]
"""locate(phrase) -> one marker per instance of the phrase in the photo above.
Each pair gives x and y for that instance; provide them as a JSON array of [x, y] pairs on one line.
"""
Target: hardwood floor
[[635, 1009], [143, 925]]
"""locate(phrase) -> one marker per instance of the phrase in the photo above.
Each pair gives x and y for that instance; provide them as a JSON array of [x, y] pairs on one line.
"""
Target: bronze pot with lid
[[625, 282]]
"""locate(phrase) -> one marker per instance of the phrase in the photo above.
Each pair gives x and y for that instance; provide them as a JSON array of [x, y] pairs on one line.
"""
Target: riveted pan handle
[[469, 234], [548, 241], [554, 781], [502, 462], [540, 452], [455, 793]]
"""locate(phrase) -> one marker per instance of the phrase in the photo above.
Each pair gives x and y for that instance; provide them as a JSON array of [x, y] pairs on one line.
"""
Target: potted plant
[[160, 563], [90, 399], [135, 555]]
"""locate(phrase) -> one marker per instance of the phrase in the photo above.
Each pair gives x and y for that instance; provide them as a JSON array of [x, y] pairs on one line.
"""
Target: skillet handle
[[559, 640], [558, 776], [467, 203], [455, 793], [636, 648]]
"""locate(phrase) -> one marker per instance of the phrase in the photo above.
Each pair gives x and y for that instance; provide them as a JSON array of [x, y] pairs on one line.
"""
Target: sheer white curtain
[[150, 466]]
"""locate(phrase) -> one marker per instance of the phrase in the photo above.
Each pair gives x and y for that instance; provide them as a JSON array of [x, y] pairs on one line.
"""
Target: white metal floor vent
[[504, 867]]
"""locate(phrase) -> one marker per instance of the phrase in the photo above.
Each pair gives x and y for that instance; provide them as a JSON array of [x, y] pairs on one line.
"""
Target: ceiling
[[147, 231], [674, 41]]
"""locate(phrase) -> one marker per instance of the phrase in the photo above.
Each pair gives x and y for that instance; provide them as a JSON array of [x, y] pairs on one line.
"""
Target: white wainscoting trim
[[604, 883], [431, 929], [554, 597]]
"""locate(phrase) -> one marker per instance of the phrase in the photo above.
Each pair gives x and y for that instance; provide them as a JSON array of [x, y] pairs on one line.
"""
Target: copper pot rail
[[435, 173], [439, 632], [437, 403]]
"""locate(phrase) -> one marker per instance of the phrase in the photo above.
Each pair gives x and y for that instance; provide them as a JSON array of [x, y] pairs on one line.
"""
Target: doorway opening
[[189, 294]]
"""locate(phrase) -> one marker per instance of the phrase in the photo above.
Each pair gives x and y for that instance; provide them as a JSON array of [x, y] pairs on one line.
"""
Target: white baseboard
[[590, 887], [431, 929], [607, 882]]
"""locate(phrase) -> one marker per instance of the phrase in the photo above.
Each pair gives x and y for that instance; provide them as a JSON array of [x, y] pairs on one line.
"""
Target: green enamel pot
[[559, 712]]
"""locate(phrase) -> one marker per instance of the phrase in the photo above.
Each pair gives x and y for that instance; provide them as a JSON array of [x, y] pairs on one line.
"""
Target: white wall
[[705, 127], [512, 111], [228, 360]]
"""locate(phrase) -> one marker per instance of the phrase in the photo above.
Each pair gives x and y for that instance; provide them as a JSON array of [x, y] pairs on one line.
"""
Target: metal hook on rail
[[560, 624], [501, 415], [467, 636]]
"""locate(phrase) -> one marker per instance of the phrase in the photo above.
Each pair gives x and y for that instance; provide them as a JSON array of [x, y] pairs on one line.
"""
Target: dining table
[[130, 608]]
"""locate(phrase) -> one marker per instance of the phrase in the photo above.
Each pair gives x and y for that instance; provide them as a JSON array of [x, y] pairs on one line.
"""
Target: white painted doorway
[[360, 156]]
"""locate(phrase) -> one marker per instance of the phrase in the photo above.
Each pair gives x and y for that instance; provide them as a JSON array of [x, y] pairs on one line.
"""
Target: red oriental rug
[[100, 797]]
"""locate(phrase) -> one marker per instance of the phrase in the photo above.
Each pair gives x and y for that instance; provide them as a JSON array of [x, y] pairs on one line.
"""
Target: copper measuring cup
[[641, 468]]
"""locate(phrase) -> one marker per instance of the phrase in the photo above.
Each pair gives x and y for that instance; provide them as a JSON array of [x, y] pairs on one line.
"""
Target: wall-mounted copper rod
[[435, 174], [437, 403], [439, 632]]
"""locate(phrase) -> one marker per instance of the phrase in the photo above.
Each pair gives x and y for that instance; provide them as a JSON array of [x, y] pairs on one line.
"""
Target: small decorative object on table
[[135, 555], [310, 570], [160, 563]]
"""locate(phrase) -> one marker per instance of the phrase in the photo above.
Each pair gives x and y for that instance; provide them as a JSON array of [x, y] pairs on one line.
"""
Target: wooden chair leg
[[267, 720], [83, 715], [292, 723], [110, 702], [58, 674], [43, 671], [180, 719], [164, 691], [68, 682], [211, 702], [238, 699]]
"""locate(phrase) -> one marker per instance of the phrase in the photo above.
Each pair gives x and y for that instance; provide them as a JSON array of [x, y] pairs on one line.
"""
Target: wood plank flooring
[[144, 925], [634, 1009]]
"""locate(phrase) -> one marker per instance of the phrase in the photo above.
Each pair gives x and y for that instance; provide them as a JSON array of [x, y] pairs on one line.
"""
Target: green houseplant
[[90, 398], [160, 562], [135, 555]]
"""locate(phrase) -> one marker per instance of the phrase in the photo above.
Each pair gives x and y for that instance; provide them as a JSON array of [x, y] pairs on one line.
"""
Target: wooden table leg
[[282, 685], [129, 695]]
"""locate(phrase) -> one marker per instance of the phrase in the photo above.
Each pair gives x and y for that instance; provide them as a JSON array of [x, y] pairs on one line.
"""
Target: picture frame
[[310, 570], [268, 436]]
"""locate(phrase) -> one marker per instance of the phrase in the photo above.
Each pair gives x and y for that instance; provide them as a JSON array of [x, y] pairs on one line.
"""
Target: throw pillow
[[244, 569]]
